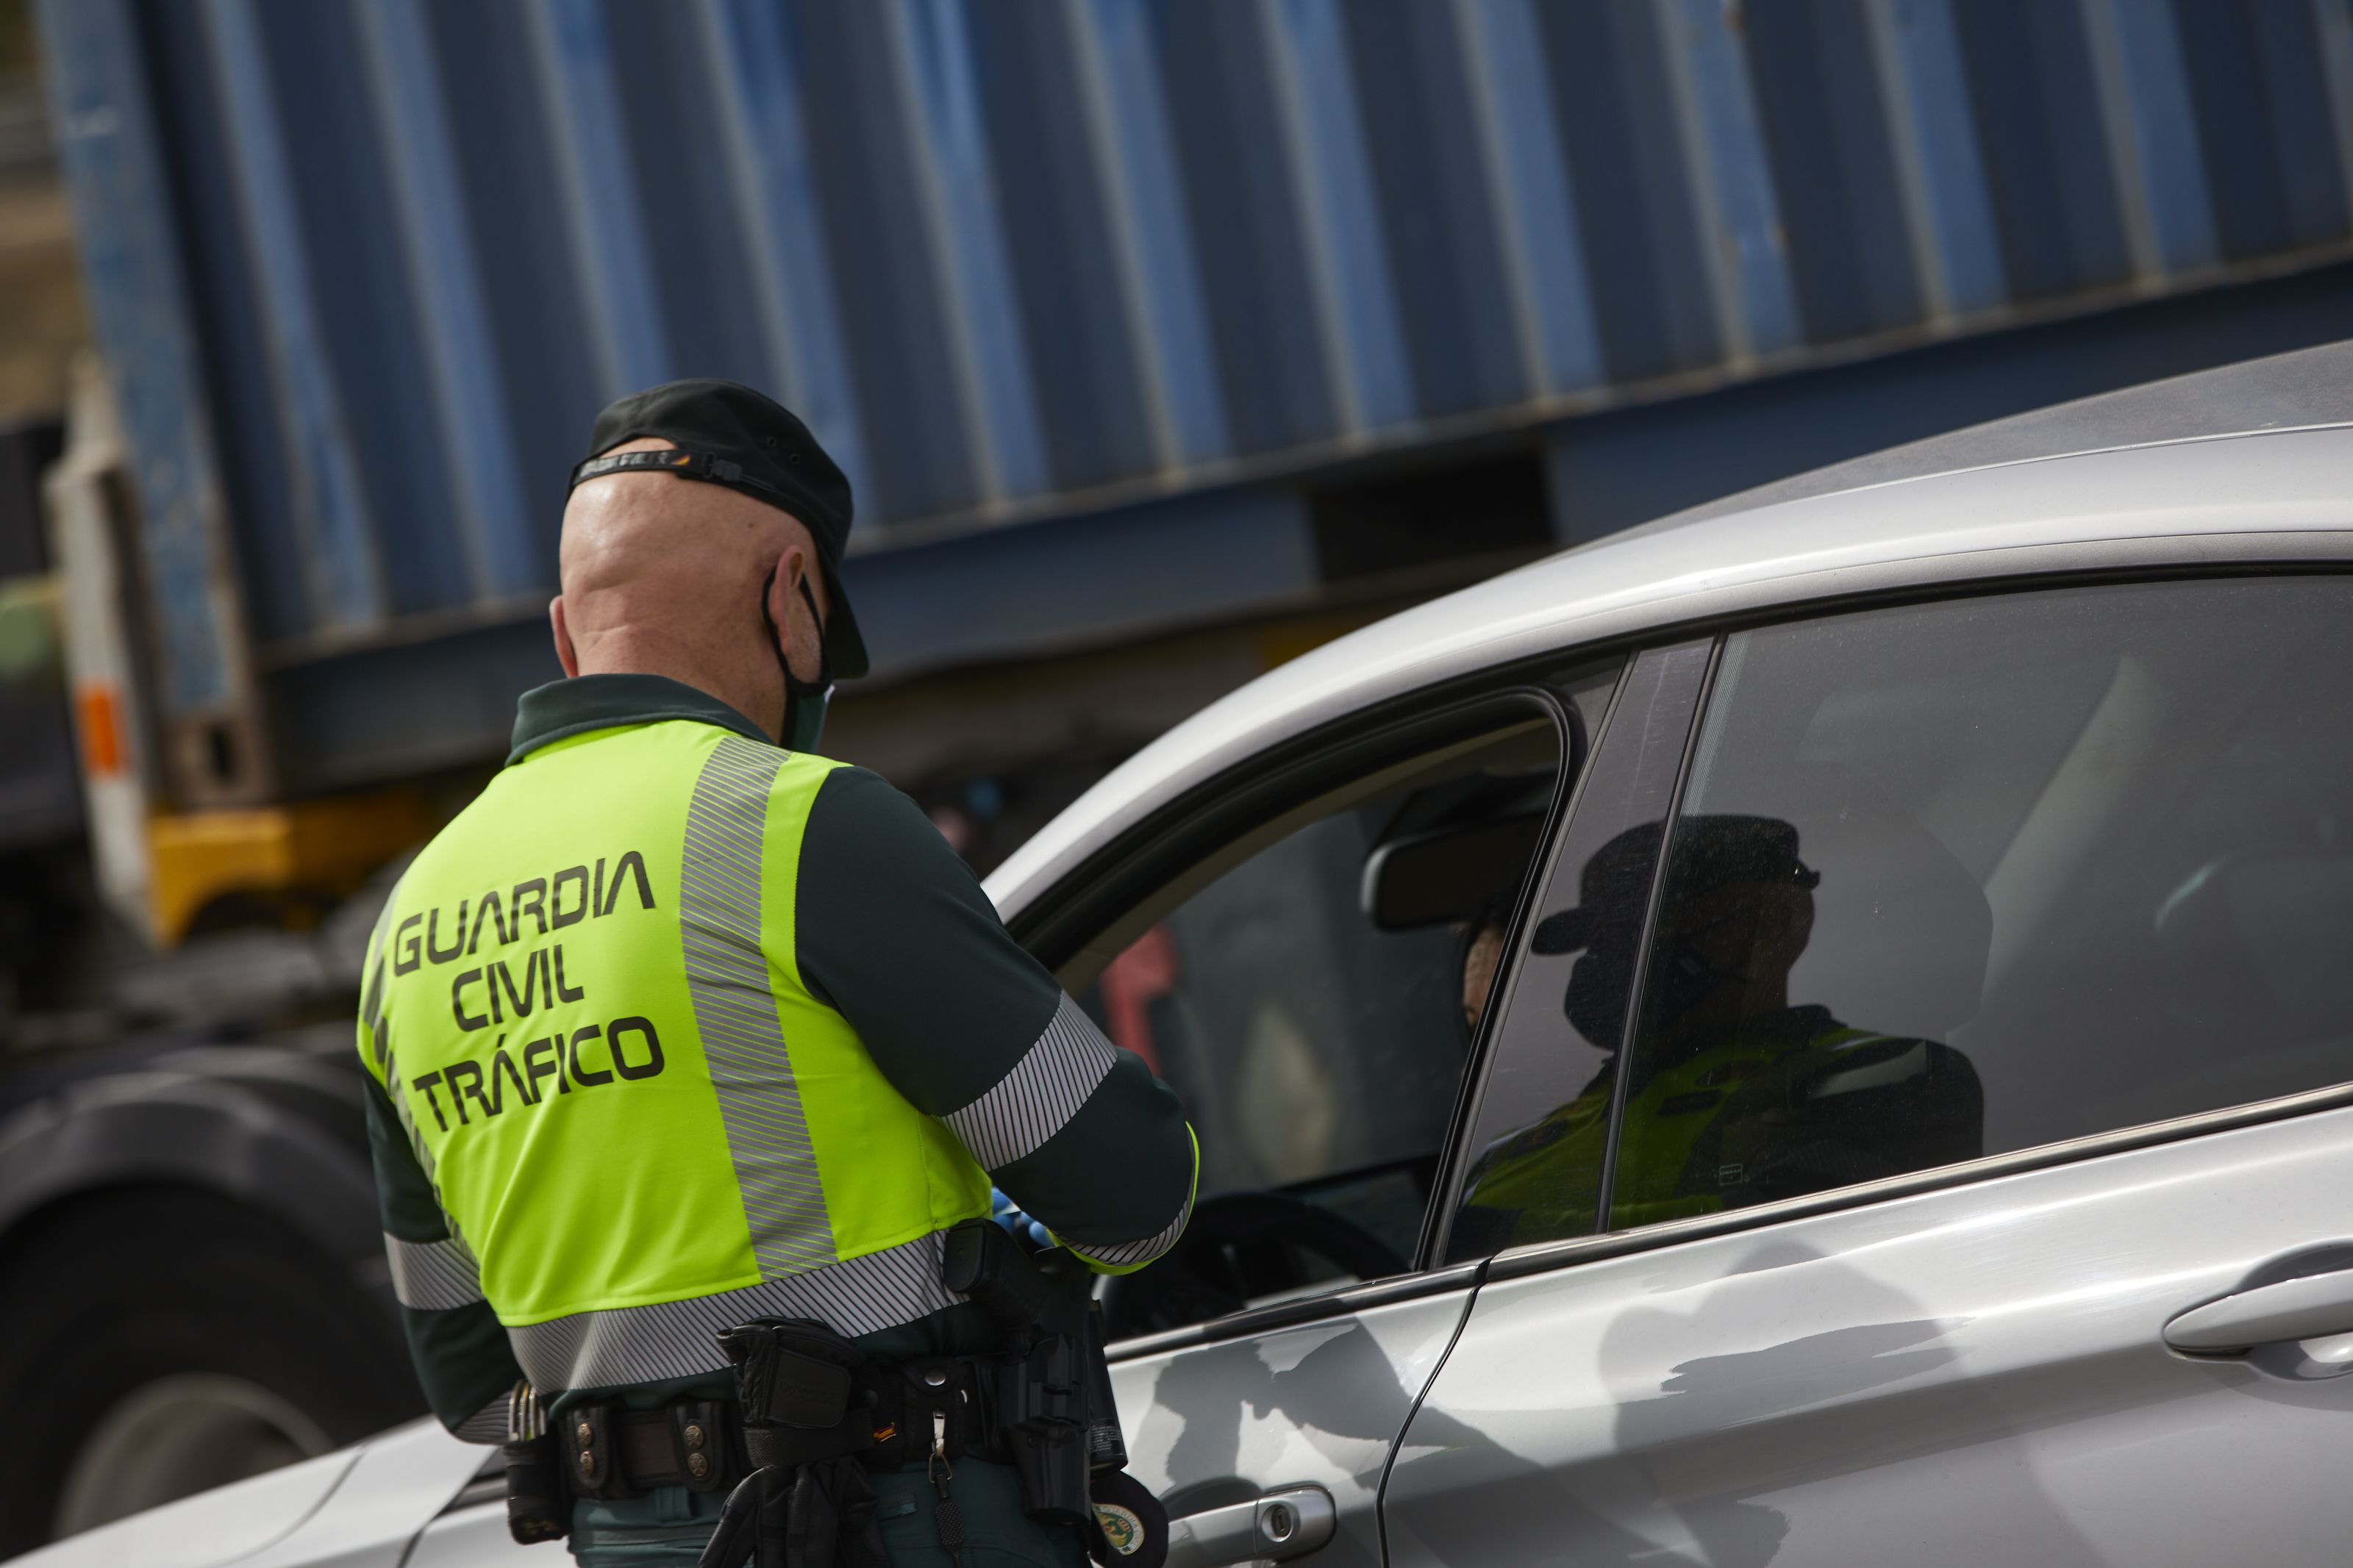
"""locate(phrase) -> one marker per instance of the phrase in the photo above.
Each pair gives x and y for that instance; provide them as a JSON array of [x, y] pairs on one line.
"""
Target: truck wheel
[[164, 1341]]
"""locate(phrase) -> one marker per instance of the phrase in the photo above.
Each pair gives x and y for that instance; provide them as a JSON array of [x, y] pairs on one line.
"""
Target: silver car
[[1816, 1031]]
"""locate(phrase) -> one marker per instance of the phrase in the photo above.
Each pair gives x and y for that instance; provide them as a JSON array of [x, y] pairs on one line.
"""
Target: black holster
[[1056, 1413], [1043, 1394]]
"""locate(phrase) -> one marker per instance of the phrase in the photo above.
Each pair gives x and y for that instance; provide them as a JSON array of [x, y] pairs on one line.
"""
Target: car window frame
[[1060, 927], [1534, 1257]]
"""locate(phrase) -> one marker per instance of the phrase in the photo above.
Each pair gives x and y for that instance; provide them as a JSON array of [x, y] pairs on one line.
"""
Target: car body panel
[[1945, 1377], [1317, 1403], [357, 1507], [2308, 388], [226, 1525], [2280, 496], [469, 1536], [403, 1479]]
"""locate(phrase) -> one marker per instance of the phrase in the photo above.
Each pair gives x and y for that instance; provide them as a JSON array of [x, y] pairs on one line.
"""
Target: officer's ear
[[793, 564], [796, 562], [564, 653], [796, 565]]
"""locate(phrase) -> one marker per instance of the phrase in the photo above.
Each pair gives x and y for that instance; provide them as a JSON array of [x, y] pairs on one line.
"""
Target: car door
[[1919, 1131], [1307, 965]]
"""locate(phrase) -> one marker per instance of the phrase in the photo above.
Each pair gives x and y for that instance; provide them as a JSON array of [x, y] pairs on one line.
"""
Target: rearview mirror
[[1446, 874]]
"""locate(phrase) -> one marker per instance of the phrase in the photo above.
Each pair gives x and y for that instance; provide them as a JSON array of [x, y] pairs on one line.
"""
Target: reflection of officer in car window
[[1734, 1096]]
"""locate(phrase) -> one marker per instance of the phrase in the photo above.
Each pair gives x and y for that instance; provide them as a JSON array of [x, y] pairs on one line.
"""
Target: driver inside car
[[1735, 1096], [1482, 958]]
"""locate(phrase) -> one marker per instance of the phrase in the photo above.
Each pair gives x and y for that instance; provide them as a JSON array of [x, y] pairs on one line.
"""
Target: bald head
[[664, 575]]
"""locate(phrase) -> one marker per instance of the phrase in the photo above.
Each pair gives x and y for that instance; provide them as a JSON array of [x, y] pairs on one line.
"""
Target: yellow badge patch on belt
[[1121, 1528]]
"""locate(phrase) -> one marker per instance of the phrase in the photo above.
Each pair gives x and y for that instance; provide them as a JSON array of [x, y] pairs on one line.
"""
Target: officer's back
[[676, 1027]]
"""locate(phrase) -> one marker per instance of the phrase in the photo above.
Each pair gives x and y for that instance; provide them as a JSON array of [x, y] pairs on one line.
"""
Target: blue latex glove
[[1018, 1225]]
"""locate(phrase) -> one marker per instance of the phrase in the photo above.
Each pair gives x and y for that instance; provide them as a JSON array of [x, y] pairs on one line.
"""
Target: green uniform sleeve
[[895, 933], [460, 1347]]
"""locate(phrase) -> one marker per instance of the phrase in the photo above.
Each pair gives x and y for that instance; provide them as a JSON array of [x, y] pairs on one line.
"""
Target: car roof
[[2252, 461], [2290, 390]]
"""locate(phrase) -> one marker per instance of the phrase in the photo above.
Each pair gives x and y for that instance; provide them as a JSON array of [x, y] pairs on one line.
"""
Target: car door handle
[[1290, 1522], [2307, 1308]]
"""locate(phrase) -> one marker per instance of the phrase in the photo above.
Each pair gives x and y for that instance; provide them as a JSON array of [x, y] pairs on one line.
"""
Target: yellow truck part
[[326, 847]]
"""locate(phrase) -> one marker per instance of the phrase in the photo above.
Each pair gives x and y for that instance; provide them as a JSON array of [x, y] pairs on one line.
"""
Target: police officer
[[680, 1025]]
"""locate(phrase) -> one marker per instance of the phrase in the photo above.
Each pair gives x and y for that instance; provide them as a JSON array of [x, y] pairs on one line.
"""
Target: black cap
[[726, 434]]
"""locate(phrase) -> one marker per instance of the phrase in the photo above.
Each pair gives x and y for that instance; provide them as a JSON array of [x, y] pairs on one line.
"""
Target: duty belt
[[813, 1416], [817, 1414], [887, 1418]]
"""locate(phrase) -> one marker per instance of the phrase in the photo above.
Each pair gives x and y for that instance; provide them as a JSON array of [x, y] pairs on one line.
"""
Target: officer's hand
[[1017, 1224]]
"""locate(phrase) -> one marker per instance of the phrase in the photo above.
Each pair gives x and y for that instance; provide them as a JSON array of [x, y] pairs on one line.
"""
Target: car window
[[1312, 993], [1537, 1142], [1972, 877]]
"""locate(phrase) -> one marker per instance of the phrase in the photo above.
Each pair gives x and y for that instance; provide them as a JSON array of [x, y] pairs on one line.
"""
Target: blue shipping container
[[365, 269]]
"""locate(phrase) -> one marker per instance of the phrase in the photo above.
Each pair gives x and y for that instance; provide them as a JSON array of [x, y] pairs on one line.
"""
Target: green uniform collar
[[588, 703]]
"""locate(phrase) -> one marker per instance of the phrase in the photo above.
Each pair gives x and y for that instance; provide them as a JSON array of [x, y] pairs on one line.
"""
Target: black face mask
[[805, 700]]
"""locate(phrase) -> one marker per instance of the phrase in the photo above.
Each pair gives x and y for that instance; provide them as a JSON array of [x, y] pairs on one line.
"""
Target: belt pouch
[[806, 1392], [699, 1428], [792, 1372], [585, 1431], [797, 1382]]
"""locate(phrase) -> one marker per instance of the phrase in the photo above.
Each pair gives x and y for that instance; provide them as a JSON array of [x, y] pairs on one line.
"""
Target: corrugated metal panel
[[1022, 257]]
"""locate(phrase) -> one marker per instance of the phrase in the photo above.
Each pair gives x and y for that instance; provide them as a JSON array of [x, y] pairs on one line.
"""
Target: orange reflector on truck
[[98, 716]]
